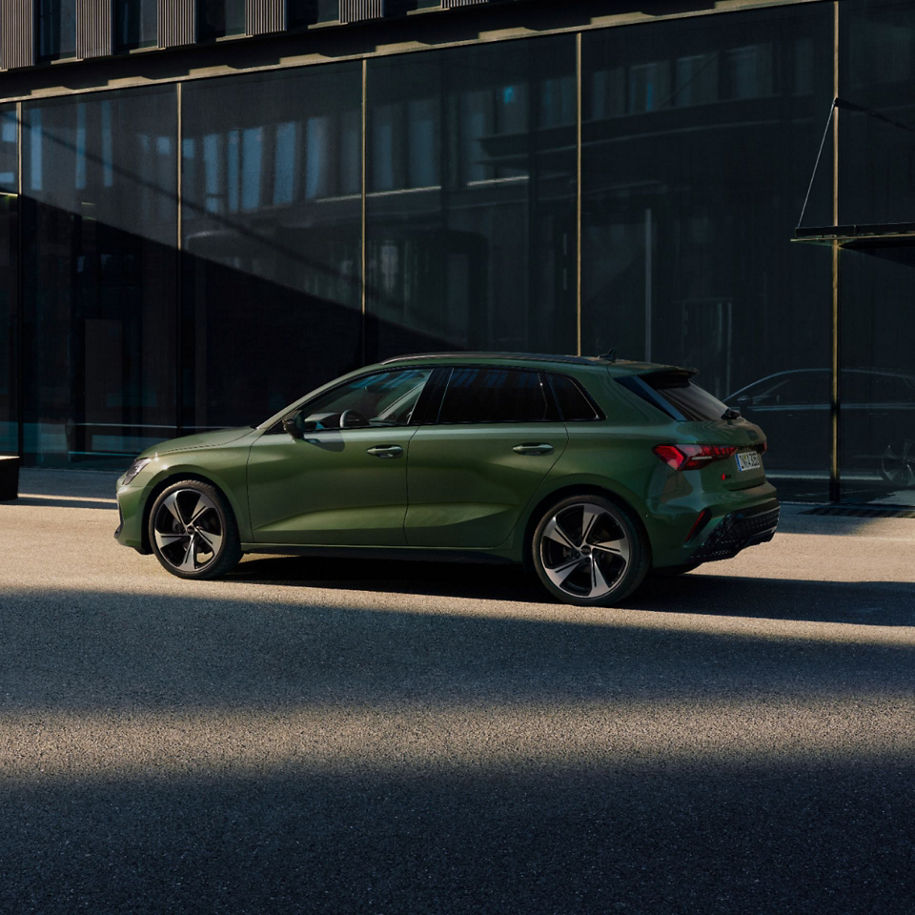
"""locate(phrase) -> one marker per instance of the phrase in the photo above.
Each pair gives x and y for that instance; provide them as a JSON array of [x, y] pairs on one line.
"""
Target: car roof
[[620, 366]]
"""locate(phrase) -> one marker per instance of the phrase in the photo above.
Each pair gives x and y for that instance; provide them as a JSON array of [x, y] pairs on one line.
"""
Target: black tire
[[193, 531], [588, 550]]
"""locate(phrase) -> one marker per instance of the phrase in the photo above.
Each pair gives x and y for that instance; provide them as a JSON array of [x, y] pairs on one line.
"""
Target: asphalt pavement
[[354, 736]]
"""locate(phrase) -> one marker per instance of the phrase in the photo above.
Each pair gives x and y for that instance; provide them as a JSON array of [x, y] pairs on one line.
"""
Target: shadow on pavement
[[590, 828], [863, 603], [578, 839]]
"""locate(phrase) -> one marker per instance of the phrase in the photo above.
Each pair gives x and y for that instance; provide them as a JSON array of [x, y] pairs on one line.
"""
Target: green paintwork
[[328, 489], [455, 487], [468, 487]]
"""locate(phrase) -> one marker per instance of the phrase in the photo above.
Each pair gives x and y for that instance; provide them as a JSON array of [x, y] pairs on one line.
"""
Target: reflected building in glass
[[207, 208]]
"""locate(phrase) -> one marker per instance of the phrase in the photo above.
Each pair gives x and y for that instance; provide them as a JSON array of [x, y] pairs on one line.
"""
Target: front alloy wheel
[[193, 531], [588, 551]]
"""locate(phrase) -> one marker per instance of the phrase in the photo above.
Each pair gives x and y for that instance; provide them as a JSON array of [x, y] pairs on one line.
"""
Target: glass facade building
[[195, 250]]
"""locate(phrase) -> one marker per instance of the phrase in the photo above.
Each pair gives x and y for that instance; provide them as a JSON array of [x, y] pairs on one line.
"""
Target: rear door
[[475, 465]]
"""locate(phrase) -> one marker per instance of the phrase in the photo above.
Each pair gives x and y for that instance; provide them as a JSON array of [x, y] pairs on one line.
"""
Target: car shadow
[[872, 603], [34, 501], [482, 581]]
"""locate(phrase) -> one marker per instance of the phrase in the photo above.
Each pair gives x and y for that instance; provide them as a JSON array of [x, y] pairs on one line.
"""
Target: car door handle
[[533, 448], [385, 451]]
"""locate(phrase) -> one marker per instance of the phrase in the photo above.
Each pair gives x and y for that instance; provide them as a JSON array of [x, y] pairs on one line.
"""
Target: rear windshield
[[677, 395]]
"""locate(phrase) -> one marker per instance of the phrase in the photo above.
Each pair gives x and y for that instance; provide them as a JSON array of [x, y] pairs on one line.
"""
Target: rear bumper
[[738, 530]]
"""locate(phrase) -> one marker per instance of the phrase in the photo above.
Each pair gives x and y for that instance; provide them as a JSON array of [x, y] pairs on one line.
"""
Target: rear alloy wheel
[[193, 532], [588, 551]]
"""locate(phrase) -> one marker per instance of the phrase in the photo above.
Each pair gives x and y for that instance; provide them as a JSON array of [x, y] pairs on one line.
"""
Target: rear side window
[[676, 395], [574, 404], [490, 395]]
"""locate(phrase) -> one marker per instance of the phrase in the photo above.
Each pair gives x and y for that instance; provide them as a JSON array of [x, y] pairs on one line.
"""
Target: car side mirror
[[292, 426], [298, 426]]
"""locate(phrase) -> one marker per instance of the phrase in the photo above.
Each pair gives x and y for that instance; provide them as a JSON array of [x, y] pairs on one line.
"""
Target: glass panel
[[574, 405], [271, 240], [877, 319], [699, 138], [218, 18], [307, 12], [382, 399], [56, 23], [9, 281], [135, 24], [690, 401], [9, 151], [99, 276], [495, 396], [471, 199]]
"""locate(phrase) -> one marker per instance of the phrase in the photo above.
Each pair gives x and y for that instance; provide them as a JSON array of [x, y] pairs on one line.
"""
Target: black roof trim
[[521, 357]]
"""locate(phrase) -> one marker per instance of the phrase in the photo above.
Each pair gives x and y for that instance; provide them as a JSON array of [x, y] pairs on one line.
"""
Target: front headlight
[[134, 469]]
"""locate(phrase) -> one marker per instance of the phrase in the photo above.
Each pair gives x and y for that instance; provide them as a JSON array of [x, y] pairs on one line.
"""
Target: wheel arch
[[579, 489], [171, 478]]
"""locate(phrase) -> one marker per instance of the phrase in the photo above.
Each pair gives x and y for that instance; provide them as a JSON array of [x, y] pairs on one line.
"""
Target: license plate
[[748, 460]]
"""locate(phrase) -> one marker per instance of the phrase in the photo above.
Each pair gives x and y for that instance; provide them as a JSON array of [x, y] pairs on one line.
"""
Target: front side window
[[491, 395], [380, 399]]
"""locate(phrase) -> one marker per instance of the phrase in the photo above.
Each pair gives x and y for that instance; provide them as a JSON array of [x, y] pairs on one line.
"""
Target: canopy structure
[[853, 235]]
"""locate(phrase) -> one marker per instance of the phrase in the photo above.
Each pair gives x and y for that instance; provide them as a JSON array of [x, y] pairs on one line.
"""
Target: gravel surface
[[336, 736]]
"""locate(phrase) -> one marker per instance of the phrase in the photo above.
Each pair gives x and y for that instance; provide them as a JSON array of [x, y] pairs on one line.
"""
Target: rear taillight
[[692, 457]]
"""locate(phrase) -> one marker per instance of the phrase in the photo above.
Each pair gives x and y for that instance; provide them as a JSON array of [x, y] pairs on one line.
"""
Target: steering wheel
[[352, 419]]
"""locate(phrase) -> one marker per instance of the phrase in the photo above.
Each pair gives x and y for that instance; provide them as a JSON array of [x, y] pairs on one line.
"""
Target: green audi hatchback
[[590, 471]]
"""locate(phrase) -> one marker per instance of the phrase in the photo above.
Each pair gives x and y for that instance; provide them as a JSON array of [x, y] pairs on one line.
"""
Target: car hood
[[201, 440]]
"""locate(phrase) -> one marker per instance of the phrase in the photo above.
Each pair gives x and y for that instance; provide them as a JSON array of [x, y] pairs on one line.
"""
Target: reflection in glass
[[876, 152], [687, 128], [471, 199], [98, 276], [135, 24], [9, 281], [9, 151], [301, 13], [219, 18], [56, 26], [271, 239]]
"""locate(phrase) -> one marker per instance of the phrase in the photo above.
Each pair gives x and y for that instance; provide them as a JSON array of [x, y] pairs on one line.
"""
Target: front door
[[342, 479]]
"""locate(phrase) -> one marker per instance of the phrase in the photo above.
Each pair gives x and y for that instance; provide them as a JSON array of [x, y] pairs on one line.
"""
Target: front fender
[[224, 468]]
